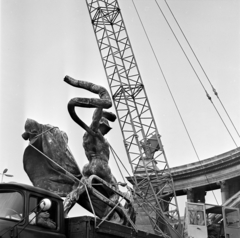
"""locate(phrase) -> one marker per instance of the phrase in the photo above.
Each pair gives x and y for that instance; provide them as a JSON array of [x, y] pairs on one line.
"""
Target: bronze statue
[[95, 189], [95, 145], [50, 165], [47, 141]]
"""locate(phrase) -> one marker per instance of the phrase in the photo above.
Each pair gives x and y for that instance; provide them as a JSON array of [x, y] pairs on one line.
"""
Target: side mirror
[[45, 204]]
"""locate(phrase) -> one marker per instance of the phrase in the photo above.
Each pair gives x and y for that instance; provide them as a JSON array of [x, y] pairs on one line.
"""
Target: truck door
[[42, 224], [195, 221], [231, 222]]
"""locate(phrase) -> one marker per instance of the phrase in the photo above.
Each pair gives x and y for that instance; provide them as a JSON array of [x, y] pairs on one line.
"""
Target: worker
[[42, 219]]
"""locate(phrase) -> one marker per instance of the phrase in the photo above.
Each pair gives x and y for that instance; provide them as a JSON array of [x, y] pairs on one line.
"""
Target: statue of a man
[[95, 145]]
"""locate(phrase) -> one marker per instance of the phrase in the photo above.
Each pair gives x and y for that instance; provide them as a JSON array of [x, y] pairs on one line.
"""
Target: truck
[[21, 206], [19, 201]]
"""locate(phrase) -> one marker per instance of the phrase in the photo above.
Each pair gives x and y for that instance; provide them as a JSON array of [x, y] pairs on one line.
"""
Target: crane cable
[[179, 113], [208, 96], [214, 90]]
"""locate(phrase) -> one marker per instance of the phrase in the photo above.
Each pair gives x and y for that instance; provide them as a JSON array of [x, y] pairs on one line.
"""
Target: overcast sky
[[42, 41]]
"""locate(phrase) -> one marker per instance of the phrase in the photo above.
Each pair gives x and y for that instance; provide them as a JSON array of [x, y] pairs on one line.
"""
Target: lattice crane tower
[[153, 184]]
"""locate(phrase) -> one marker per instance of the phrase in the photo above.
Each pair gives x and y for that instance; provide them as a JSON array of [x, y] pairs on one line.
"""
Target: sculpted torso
[[97, 152], [96, 146]]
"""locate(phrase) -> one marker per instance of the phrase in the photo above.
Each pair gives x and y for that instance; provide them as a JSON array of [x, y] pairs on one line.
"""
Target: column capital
[[187, 189], [224, 190], [190, 194], [222, 183]]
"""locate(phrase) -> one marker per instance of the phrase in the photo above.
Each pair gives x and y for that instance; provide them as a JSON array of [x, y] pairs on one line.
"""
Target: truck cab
[[206, 220], [19, 210]]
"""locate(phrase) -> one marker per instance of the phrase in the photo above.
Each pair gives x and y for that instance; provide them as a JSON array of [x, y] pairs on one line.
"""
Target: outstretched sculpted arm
[[97, 115], [77, 102], [71, 109], [109, 115], [82, 84], [103, 102]]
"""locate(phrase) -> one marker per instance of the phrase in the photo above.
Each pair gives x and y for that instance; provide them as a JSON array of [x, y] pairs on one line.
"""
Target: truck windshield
[[11, 205], [232, 218], [196, 214]]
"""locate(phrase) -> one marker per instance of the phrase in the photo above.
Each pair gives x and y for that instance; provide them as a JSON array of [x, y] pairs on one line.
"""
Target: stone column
[[190, 195], [199, 194], [196, 194], [233, 186], [224, 190]]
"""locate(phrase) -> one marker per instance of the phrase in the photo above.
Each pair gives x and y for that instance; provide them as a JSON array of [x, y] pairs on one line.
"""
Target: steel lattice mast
[[154, 185]]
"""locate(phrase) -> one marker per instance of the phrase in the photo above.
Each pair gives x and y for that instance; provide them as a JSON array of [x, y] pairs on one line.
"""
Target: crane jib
[[153, 184]]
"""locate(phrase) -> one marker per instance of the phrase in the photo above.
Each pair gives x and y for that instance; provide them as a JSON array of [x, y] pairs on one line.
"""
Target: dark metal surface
[[84, 227], [49, 142], [95, 146]]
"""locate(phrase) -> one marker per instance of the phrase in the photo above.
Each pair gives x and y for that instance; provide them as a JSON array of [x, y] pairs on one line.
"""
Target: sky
[[42, 41]]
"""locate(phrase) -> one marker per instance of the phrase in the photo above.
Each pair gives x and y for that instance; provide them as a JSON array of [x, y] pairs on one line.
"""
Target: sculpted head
[[32, 128], [104, 126]]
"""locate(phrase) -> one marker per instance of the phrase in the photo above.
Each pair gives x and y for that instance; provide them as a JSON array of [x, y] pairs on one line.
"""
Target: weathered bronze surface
[[49, 142], [50, 164], [95, 145]]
